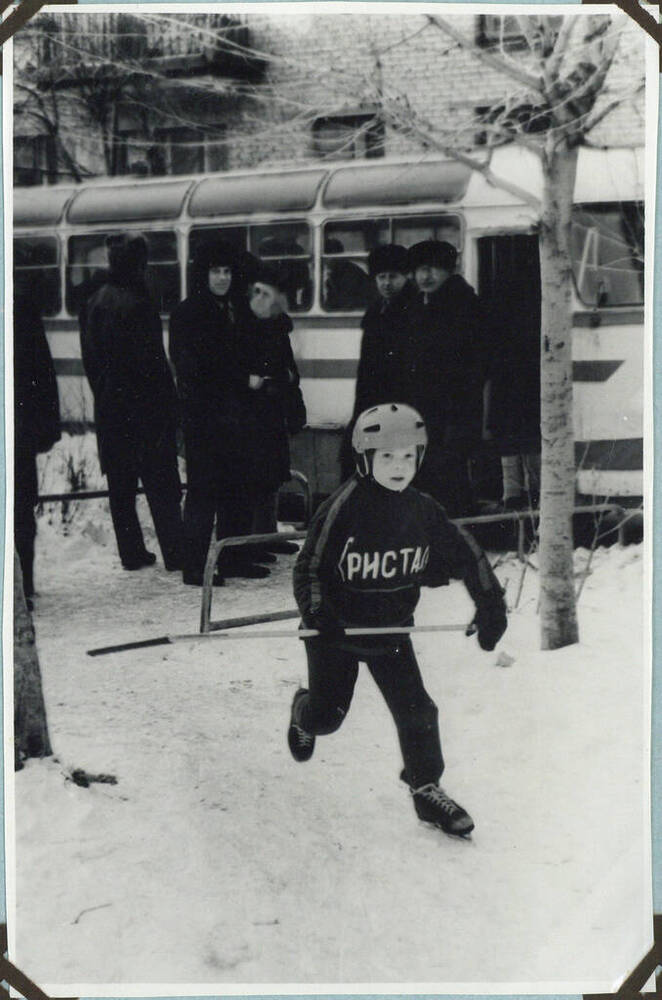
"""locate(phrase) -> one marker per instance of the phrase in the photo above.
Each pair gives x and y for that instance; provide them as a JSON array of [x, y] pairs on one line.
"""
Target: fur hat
[[434, 253], [214, 253], [127, 252], [388, 257], [268, 273]]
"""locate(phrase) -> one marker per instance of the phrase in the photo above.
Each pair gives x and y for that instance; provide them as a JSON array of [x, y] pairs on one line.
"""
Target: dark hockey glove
[[491, 623], [326, 625]]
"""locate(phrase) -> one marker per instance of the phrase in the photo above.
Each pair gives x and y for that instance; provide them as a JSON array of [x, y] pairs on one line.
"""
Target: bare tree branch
[[552, 65], [504, 66], [482, 167]]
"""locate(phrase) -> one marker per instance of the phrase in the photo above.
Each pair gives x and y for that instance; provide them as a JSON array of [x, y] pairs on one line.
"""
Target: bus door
[[510, 290]]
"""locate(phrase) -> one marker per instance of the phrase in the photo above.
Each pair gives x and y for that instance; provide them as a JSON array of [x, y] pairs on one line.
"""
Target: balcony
[[171, 45]]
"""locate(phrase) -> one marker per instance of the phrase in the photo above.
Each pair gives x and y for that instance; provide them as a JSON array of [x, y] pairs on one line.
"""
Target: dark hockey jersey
[[369, 550]]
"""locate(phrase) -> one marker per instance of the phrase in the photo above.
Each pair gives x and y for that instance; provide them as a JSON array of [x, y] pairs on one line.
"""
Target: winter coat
[[382, 363], [445, 369], [36, 400], [383, 355], [369, 550], [210, 379], [126, 366], [264, 349], [514, 370]]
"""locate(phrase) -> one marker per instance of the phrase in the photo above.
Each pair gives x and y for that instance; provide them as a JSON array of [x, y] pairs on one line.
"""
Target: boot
[[434, 806], [234, 564], [142, 559]]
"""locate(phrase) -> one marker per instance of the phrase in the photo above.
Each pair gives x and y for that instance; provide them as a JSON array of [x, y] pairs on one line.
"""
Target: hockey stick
[[304, 633], [161, 640]]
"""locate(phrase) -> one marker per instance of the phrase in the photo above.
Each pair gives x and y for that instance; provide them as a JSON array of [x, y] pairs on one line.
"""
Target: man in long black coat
[[381, 375], [210, 381], [445, 372], [135, 406], [36, 418]]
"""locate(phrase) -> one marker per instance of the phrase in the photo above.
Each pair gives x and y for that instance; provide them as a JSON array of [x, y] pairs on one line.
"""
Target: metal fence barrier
[[521, 516]]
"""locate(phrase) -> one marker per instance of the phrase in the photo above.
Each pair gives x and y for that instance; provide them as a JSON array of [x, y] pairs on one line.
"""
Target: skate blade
[[453, 836]]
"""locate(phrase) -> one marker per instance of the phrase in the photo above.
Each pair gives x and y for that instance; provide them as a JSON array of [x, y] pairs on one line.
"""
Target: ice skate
[[434, 806], [301, 743]]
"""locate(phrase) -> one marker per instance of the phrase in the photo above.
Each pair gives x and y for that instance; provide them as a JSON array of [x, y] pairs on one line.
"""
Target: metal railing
[[217, 546], [295, 476]]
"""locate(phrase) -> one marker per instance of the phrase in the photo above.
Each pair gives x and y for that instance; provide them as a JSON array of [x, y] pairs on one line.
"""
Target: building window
[[499, 123], [348, 137], [184, 150], [130, 153], [35, 160], [493, 30]]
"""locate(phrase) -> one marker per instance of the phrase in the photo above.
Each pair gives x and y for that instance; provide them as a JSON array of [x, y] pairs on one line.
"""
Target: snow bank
[[216, 864]]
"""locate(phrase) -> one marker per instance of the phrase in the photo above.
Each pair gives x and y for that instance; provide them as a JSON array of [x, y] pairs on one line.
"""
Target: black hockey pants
[[332, 673]]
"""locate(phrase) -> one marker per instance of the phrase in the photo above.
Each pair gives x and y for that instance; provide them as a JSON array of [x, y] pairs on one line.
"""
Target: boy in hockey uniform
[[369, 549]]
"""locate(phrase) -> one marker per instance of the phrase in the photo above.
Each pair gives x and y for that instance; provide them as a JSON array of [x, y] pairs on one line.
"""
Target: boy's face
[[389, 283], [220, 279], [265, 300], [429, 278], [395, 469]]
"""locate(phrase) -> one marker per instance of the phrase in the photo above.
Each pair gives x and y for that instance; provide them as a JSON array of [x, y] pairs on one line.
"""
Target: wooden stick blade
[[161, 640]]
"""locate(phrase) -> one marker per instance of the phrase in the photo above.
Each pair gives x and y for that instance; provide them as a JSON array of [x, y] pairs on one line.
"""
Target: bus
[[319, 221]]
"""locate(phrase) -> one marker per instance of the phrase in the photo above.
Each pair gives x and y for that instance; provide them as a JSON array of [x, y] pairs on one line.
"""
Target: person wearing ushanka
[[369, 549], [272, 401], [446, 371], [210, 380], [383, 359]]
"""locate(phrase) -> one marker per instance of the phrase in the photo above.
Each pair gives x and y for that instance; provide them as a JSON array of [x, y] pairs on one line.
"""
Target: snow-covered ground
[[217, 864]]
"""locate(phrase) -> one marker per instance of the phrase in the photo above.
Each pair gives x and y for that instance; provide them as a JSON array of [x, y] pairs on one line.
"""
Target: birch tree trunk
[[30, 726], [558, 616]]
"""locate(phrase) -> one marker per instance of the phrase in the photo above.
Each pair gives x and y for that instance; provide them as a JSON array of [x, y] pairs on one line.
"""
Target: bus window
[[236, 236], [88, 256], [410, 230], [607, 247], [163, 269], [287, 245], [36, 264], [346, 285]]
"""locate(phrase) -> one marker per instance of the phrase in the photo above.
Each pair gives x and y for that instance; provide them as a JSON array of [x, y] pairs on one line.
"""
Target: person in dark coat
[[445, 372], [36, 419], [210, 382], [135, 406], [383, 356], [513, 418], [273, 402]]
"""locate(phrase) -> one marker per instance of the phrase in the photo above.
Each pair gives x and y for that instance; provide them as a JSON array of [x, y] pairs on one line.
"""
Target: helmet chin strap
[[362, 464]]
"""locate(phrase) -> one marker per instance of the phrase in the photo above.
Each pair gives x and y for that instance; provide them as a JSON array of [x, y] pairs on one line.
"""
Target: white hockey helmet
[[387, 426]]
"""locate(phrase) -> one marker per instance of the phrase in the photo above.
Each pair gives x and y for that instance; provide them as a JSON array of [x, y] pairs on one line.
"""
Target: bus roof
[[293, 191], [602, 176], [129, 202], [397, 184], [40, 206]]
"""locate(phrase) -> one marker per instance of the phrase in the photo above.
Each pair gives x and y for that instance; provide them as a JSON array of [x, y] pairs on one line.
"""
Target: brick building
[[99, 94]]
